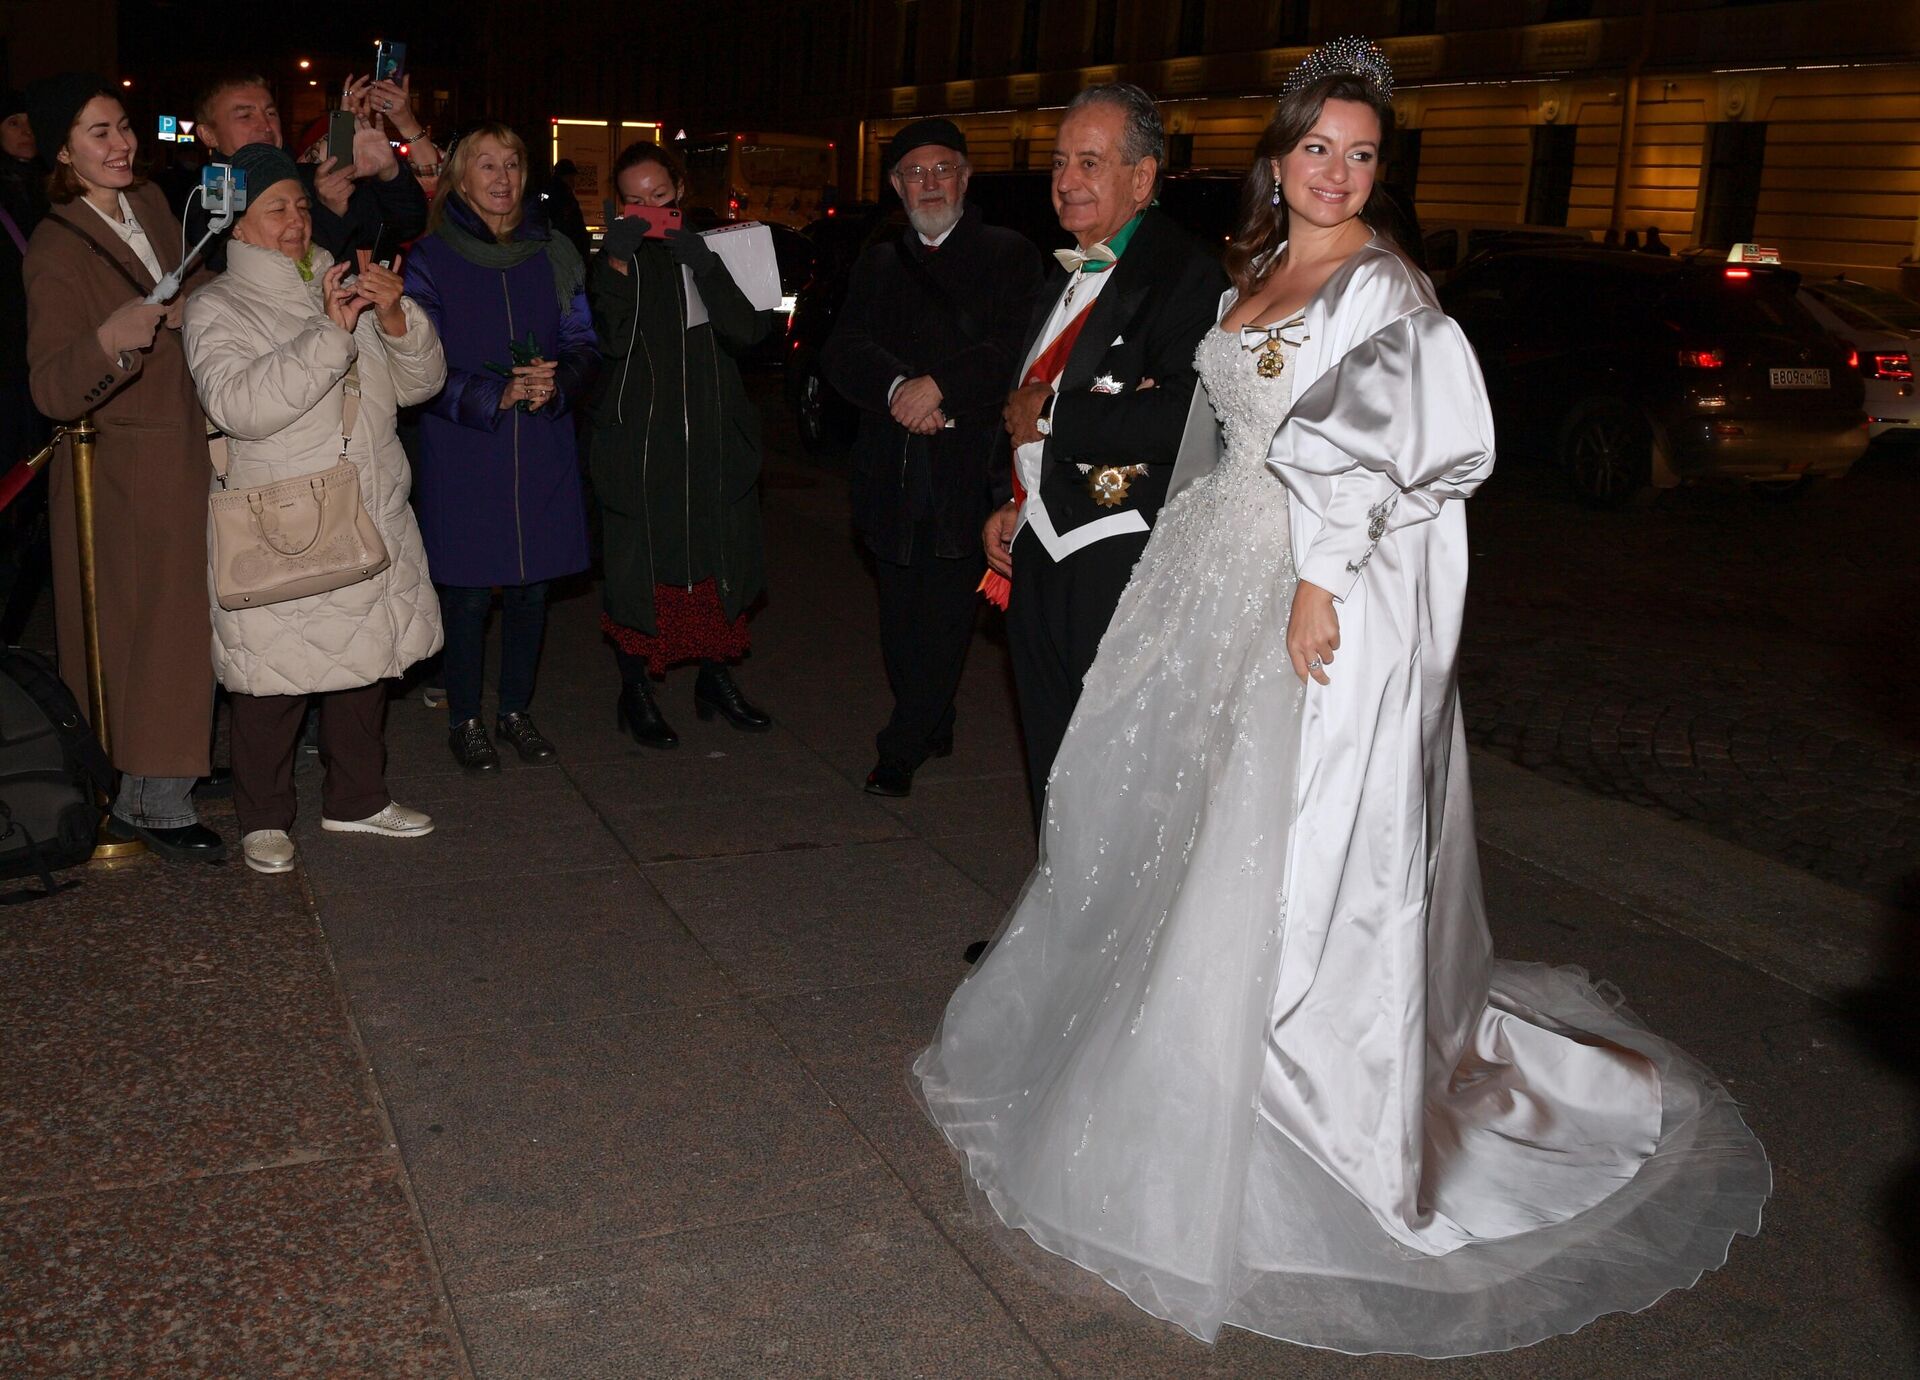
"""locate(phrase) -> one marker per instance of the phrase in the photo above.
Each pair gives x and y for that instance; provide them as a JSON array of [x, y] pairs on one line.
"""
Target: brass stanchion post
[[81, 437]]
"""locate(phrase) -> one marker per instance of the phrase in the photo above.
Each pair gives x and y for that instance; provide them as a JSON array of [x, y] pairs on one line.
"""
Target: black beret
[[945, 133]]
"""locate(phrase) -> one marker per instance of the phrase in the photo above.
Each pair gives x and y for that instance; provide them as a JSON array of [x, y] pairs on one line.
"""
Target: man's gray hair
[[1143, 136]]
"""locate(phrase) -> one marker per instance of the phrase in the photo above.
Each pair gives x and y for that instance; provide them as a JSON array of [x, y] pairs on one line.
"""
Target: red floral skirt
[[693, 627]]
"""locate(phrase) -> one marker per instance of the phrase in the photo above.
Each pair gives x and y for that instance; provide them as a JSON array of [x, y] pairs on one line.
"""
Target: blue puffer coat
[[499, 493]]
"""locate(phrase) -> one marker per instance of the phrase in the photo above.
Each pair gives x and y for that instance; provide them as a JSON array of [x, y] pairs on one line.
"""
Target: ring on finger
[[1315, 664]]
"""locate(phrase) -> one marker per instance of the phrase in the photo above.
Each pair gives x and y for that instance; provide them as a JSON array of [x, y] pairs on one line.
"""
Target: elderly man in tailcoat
[[928, 337]]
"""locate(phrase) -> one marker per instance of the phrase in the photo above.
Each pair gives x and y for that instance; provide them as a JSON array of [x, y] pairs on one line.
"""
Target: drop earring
[[1275, 170], [1276, 194]]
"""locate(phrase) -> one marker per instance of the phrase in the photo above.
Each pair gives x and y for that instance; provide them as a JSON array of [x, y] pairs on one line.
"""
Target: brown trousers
[[353, 753]]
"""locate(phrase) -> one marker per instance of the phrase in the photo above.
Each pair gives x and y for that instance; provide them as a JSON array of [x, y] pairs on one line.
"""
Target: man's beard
[[934, 221]]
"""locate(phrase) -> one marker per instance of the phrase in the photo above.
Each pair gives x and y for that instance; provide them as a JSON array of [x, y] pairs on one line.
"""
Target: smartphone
[[384, 248], [223, 190], [389, 61], [660, 219], [340, 131]]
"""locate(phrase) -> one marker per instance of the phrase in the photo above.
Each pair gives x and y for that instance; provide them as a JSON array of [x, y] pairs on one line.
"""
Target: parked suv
[[1634, 370], [1883, 329]]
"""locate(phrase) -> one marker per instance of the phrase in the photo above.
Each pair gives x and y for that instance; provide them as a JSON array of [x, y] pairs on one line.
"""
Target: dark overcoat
[[958, 314], [675, 454]]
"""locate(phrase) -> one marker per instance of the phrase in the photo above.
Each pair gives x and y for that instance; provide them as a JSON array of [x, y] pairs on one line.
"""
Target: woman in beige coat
[[94, 347], [274, 345]]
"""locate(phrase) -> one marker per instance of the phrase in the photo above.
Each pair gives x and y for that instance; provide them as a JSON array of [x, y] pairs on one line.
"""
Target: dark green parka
[[675, 455]]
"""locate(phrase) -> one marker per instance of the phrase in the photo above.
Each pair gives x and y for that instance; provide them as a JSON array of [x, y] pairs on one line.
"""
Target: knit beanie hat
[[264, 165], [54, 103]]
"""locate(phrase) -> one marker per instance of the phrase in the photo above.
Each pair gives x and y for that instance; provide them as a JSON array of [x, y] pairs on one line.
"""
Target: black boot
[[636, 713], [715, 693]]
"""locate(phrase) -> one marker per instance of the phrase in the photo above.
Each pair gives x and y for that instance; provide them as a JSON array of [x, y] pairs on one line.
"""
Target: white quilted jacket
[[269, 366]]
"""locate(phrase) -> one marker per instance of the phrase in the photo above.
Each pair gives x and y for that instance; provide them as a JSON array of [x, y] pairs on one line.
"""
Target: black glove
[[689, 250], [623, 237]]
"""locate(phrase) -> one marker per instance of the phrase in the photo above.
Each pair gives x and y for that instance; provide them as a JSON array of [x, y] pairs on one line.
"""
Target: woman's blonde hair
[[454, 172]]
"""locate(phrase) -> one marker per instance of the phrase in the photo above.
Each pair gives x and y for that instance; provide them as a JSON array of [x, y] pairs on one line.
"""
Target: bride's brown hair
[[1262, 225]]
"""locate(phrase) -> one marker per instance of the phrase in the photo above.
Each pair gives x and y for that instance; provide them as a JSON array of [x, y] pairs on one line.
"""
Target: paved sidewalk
[[641, 1022]]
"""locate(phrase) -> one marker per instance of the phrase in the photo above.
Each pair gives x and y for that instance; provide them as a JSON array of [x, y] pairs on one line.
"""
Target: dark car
[[1204, 203], [1633, 370]]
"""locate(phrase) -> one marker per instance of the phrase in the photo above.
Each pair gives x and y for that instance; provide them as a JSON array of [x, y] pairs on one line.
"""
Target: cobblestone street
[[1742, 663]]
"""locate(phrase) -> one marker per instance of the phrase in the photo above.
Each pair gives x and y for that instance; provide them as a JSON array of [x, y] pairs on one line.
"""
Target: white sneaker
[[268, 850], [396, 822]]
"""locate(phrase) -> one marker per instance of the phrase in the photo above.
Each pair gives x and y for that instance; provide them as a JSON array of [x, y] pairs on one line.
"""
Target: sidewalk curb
[[1792, 926]]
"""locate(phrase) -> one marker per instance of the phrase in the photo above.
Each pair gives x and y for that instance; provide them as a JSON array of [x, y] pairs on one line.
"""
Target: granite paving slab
[[310, 1270], [552, 1137], [428, 962], [866, 1289], [789, 921], [168, 1021]]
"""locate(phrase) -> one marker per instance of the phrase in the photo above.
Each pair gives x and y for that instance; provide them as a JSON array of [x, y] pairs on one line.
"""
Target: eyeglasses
[[939, 172]]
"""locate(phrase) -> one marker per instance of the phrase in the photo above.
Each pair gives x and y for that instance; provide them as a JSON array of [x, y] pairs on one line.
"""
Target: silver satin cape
[[1241, 1048]]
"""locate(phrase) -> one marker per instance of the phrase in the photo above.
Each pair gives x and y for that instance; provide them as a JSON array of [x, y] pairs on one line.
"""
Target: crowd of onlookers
[[420, 320]]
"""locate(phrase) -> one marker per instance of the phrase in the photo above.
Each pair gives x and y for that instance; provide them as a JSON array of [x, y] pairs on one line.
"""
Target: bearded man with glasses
[[924, 346]]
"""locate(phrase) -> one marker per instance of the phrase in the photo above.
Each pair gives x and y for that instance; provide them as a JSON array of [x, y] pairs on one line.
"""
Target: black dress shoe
[[186, 843], [215, 785], [888, 780], [528, 741], [977, 950], [715, 693], [637, 714], [471, 747]]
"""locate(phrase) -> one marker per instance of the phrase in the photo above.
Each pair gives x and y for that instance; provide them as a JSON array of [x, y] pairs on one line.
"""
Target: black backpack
[[52, 772]]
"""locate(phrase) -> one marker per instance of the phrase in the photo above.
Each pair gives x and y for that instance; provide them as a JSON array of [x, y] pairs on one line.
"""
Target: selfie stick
[[232, 200]]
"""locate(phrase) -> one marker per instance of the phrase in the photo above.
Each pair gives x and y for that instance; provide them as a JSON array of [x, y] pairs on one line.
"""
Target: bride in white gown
[[1241, 1047]]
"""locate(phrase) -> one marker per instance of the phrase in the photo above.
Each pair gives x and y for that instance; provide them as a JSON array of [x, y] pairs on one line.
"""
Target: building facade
[[1794, 124]]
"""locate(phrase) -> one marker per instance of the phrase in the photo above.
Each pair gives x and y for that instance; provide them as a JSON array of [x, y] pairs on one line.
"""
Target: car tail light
[[1702, 359], [1739, 274], [1888, 364]]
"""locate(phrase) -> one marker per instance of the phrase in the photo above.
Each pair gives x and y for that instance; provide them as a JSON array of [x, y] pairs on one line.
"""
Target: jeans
[[156, 802], [523, 623]]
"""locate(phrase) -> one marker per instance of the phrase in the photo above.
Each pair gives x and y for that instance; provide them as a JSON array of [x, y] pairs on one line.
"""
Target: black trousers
[[353, 752], [927, 612], [1055, 620]]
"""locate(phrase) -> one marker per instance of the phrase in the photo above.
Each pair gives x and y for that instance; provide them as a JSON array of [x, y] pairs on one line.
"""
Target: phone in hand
[[660, 219], [389, 61], [384, 249], [341, 127]]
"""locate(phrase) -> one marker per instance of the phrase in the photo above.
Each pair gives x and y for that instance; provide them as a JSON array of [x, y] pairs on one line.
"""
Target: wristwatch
[[1044, 422]]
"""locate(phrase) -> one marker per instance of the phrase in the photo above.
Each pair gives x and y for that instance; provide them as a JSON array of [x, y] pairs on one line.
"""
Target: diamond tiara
[[1361, 57]]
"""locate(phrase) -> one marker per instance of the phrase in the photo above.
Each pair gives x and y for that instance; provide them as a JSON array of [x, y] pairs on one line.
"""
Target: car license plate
[[1798, 378]]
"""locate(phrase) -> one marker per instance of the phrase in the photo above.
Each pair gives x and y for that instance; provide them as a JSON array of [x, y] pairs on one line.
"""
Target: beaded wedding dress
[[1364, 1140]]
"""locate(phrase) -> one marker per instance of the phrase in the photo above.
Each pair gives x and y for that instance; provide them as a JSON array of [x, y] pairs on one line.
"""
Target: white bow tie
[[1101, 255]]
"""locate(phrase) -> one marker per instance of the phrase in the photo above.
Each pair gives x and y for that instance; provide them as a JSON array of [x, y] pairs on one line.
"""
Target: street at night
[[960, 688]]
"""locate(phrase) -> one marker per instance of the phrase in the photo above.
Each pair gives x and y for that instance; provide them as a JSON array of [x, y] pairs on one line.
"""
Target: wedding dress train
[[1258, 1068]]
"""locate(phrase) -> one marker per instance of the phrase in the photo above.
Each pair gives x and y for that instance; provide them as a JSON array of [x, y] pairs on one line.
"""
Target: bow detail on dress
[[1266, 337], [1095, 260], [1268, 340]]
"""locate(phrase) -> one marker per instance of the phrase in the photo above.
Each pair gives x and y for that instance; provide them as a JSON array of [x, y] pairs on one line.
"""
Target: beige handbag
[[296, 537]]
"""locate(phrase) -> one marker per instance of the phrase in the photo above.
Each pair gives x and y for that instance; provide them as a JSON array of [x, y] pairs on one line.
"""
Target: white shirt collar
[[131, 234]]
